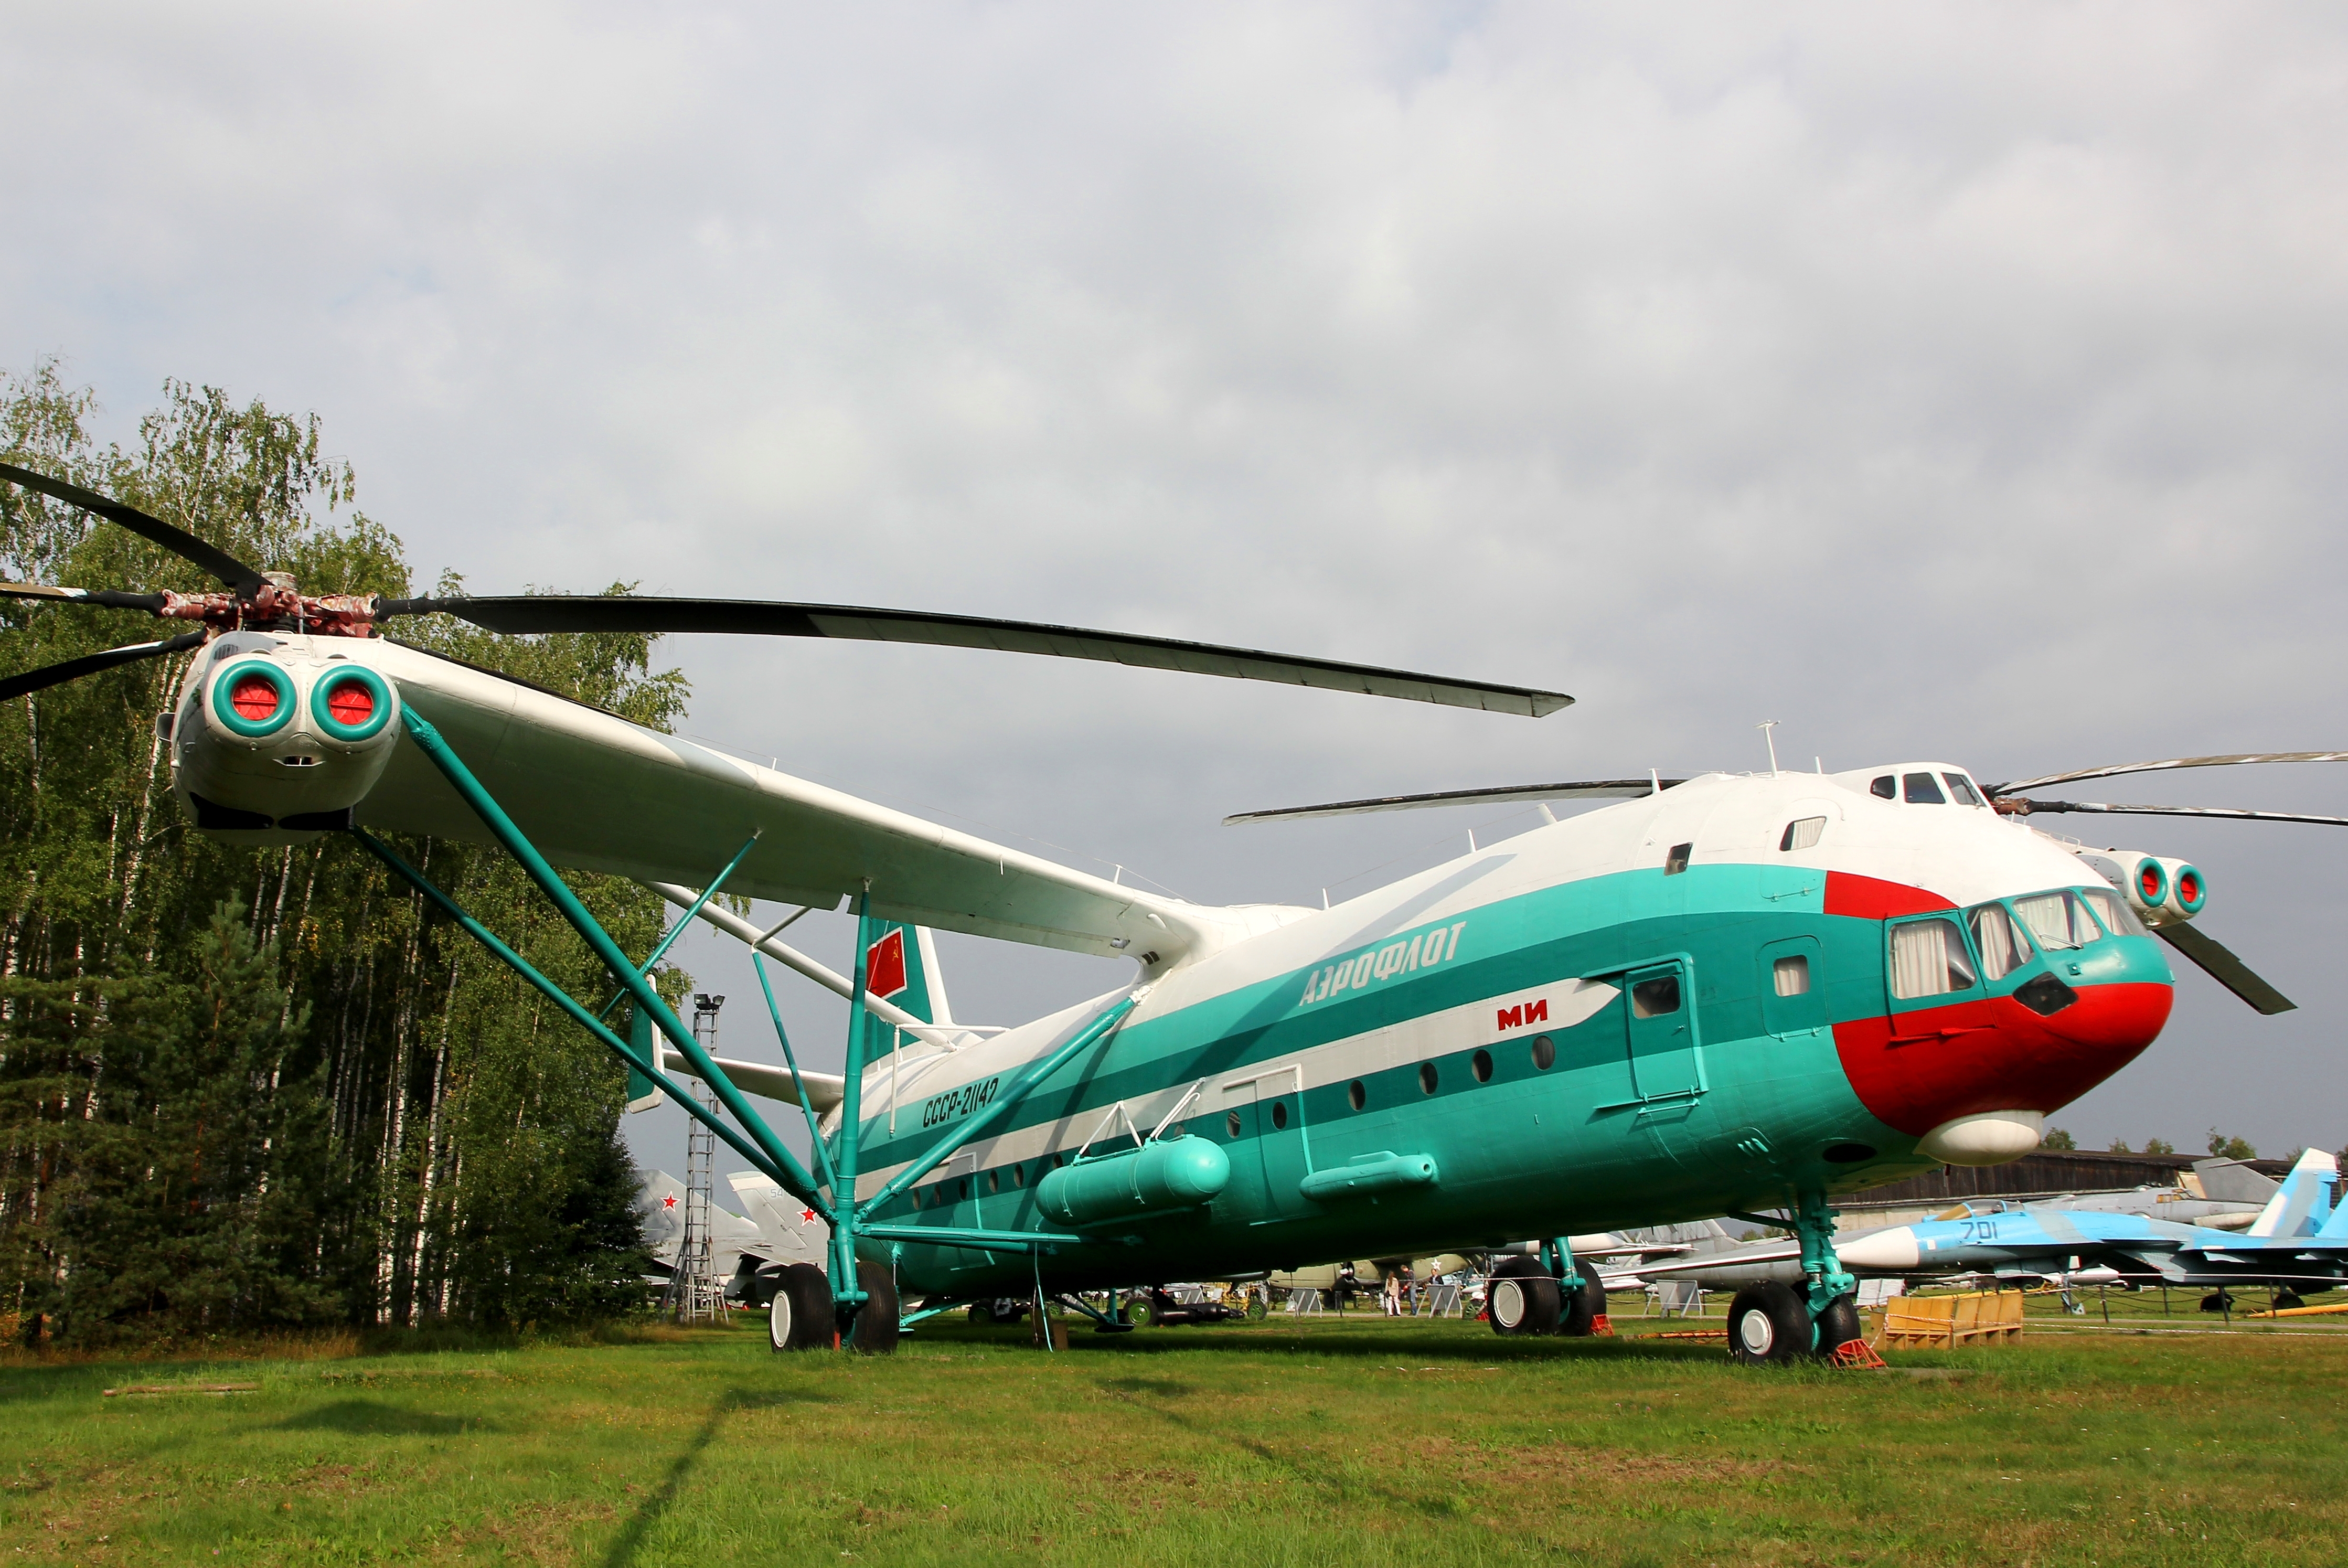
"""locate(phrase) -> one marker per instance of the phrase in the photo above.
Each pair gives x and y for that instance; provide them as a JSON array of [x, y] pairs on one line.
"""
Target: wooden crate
[[1946, 1322]]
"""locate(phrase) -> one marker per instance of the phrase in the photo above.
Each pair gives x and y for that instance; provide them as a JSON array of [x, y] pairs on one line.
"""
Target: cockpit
[[1926, 787], [1940, 955]]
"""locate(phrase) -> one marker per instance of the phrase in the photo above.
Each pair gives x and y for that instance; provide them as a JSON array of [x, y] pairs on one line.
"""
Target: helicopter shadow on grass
[[1388, 1346], [733, 1402], [373, 1418]]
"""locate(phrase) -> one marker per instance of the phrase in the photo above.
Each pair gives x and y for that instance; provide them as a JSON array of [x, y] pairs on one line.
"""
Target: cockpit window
[[1885, 785], [1922, 791], [1929, 959], [1960, 789], [2118, 918], [2003, 949], [2057, 919]]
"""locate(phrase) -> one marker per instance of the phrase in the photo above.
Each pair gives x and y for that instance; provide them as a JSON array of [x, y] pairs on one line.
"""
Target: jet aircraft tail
[[2302, 1206]]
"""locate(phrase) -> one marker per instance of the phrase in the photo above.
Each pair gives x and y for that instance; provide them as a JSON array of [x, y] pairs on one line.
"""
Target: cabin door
[[1666, 1062], [1266, 1110]]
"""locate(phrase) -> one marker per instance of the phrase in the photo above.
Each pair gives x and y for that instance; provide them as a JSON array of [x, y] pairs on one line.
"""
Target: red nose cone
[[1919, 1069], [254, 698]]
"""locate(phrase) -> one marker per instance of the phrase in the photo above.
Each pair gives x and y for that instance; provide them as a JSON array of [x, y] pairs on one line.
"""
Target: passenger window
[[2057, 919], [1922, 791], [1792, 976], [1544, 1052], [1929, 959], [2119, 919], [1802, 833], [1677, 861], [1961, 788], [1885, 785], [1355, 1095], [2003, 949], [1655, 999], [1231, 1123], [995, 1180]]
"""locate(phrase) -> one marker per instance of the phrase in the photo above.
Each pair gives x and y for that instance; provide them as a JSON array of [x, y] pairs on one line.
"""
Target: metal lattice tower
[[694, 1291]]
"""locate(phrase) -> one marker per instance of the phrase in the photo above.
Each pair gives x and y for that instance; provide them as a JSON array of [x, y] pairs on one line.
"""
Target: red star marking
[[669, 1202], [806, 1216]]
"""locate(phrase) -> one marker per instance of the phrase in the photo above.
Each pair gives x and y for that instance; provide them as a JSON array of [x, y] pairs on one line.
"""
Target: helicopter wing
[[598, 793]]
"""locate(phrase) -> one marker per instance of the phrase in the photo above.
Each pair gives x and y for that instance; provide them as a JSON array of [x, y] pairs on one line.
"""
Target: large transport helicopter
[[1716, 995]]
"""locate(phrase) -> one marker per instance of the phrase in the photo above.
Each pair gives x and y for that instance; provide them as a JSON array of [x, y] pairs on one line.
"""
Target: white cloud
[[1957, 380]]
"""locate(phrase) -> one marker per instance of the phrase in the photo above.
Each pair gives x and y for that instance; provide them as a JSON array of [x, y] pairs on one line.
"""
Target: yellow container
[[1946, 1322]]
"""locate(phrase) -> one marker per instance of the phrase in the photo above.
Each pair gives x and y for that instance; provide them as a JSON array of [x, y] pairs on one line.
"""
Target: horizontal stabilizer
[[823, 1089]]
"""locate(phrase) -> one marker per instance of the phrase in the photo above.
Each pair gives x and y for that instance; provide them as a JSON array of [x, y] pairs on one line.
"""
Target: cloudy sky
[[1946, 381]]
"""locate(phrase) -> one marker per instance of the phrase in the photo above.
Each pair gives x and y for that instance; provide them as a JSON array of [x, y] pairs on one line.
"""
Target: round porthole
[[1482, 1062], [1279, 1114], [1544, 1052], [995, 1180], [1019, 1175], [1355, 1095], [1231, 1123], [1426, 1077]]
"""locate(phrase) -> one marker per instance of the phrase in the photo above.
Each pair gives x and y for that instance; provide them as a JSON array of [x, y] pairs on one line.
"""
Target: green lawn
[[1353, 1441]]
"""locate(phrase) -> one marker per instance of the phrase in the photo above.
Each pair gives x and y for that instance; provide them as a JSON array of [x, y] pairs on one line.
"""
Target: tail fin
[[642, 1092], [794, 1233], [900, 965], [2303, 1205]]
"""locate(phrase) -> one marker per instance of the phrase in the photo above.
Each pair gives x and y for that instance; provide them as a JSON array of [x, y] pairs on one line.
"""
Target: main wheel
[[877, 1326], [1582, 1307], [1522, 1298], [1839, 1324], [1136, 1312], [1255, 1306], [1768, 1325], [799, 1316], [982, 1312]]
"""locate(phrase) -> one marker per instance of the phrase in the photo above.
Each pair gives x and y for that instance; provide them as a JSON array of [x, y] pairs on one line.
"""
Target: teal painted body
[[1605, 1130]]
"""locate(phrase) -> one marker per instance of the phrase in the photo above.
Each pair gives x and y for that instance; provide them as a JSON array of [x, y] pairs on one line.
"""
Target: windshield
[[2118, 918], [2057, 919]]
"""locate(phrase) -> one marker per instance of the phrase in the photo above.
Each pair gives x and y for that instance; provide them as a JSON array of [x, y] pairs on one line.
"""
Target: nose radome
[[1893, 1249]]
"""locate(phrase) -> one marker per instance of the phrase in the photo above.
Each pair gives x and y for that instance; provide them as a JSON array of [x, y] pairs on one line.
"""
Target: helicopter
[[1713, 994]]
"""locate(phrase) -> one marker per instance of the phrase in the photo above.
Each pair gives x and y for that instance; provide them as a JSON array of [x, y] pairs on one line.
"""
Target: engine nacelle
[[2162, 891], [275, 738]]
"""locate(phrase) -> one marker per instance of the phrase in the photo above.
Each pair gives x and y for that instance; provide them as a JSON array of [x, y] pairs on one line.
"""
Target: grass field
[[1353, 1441]]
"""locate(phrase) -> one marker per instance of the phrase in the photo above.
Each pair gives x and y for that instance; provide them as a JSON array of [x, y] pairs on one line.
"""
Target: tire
[[799, 1316], [980, 1311], [879, 1323], [1582, 1307], [1523, 1298], [1256, 1308], [1156, 1310], [1768, 1325], [1137, 1312], [1839, 1324]]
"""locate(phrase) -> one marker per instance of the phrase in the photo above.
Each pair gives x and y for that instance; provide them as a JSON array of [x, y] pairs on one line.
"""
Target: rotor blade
[[1586, 790], [2038, 806], [646, 616], [105, 598], [2050, 780], [178, 541], [2224, 968], [48, 676]]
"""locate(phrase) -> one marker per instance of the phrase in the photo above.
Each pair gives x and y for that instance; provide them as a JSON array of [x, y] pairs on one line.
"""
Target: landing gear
[[1582, 1308], [1768, 1325], [1523, 1297], [1839, 1324], [799, 1316], [2284, 1300], [876, 1328]]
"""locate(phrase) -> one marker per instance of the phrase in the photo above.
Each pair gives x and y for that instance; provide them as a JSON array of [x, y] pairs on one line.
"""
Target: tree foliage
[[242, 1088]]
